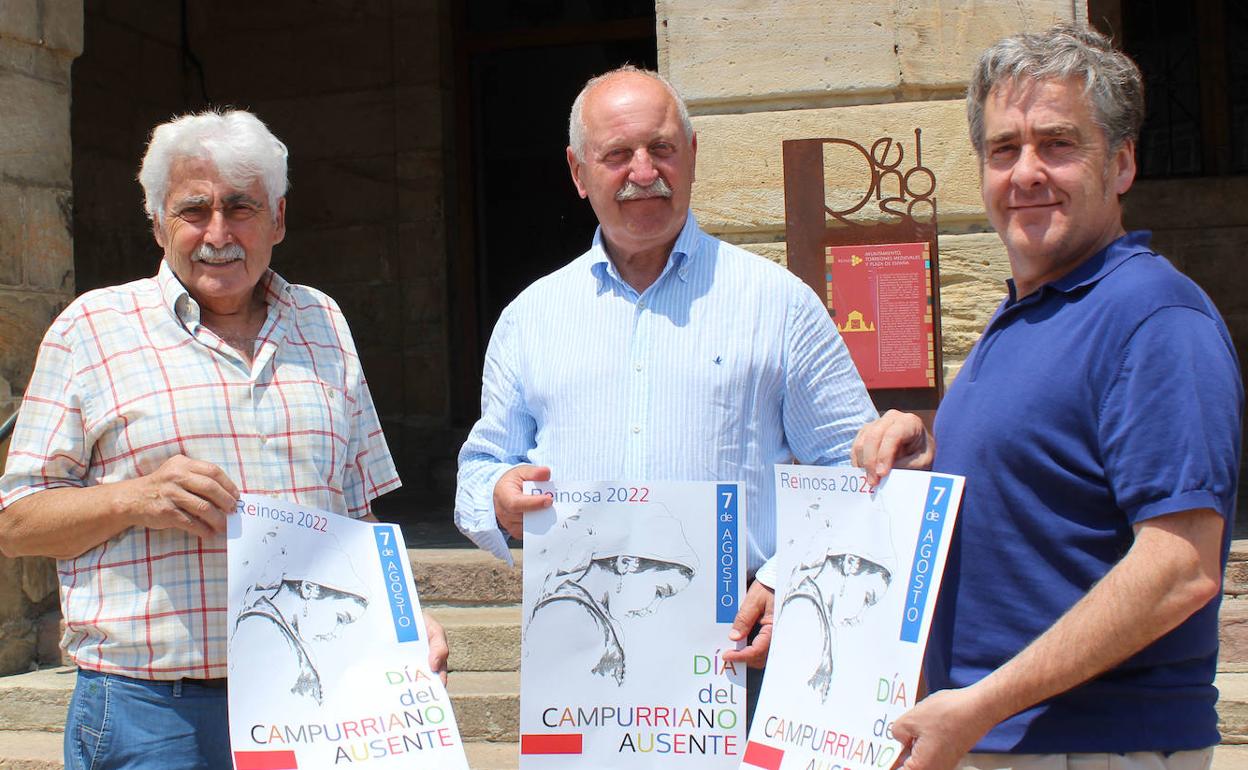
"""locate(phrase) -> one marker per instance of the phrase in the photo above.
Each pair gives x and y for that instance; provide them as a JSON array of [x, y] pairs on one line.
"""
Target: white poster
[[859, 571], [630, 590], [328, 656]]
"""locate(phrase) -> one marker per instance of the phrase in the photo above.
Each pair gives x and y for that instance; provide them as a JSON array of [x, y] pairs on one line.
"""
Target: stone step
[[487, 704], [29, 750], [464, 576], [1233, 707], [483, 638], [36, 701], [26, 750], [1233, 634]]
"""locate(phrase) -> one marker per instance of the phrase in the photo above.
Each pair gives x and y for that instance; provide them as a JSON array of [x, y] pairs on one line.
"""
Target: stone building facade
[[39, 40], [375, 99]]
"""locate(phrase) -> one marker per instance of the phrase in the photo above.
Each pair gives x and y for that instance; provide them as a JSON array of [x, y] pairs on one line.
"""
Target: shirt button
[[636, 429], [641, 303], [637, 367]]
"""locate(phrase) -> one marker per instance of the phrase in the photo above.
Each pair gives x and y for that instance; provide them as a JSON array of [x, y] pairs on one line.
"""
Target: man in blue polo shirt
[[1098, 422]]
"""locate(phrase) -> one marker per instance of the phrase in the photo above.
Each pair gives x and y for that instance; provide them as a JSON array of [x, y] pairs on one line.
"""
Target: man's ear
[[1124, 167], [626, 564], [279, 221], [158, 233], [693, 170], [574, 166]]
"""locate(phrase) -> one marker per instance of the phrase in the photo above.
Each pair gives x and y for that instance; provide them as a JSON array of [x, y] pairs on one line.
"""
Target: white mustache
[[631, 191], [230, 252]]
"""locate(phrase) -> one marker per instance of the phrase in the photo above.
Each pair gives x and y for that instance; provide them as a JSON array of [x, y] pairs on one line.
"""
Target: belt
[[215, 684]]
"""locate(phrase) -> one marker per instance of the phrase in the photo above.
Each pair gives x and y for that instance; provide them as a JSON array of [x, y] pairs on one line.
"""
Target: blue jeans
[[116, 722]]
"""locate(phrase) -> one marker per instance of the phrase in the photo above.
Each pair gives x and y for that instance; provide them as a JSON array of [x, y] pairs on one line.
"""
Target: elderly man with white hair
[[152, 407]]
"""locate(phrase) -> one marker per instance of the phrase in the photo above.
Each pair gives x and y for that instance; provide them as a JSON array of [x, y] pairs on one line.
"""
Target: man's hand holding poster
[[329, 659], [859, 571], [629, 593]]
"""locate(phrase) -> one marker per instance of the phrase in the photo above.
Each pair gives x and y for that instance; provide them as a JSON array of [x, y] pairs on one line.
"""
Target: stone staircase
[[477, 599]]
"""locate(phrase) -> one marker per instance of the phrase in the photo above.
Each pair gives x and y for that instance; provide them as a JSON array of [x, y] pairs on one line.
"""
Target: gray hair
[[1110, 78], [576, 121], [240, 146]]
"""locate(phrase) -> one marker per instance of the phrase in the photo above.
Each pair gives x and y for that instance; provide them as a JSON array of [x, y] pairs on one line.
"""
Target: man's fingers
[[216, 474], [439, 649], [190, 523]]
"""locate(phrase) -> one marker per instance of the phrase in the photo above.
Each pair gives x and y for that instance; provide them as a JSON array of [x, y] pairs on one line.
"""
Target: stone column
[[39, 40]]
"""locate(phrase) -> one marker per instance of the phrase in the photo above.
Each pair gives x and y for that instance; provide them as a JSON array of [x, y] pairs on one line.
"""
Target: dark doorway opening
[[519, 66]]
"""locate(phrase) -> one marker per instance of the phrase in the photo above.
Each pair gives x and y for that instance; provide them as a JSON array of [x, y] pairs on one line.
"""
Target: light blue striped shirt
[[726, 365]]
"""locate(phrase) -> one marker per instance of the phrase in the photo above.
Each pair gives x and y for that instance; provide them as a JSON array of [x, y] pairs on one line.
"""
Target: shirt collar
[[683, 250], [1099, 265], [276, 291]]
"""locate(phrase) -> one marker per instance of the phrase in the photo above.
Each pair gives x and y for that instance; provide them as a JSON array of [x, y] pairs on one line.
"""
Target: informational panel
[[859, 571], [881, 298], [861, 230], [630, 589], [328, 653]]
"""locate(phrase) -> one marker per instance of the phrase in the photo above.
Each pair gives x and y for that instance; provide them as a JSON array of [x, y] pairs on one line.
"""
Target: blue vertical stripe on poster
[[727, 553], [391, 551], [925, 550]]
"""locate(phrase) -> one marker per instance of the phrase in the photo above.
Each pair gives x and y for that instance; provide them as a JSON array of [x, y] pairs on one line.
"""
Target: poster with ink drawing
[[328, 653], [859, 569], [630, 589]]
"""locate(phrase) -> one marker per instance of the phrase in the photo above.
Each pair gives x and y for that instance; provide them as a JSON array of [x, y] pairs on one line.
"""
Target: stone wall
[[756, 73], [38, 42]]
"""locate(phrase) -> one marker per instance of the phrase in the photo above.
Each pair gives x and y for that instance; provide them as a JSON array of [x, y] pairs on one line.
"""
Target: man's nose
[[641, 170], [1029, 170], [217, 229]]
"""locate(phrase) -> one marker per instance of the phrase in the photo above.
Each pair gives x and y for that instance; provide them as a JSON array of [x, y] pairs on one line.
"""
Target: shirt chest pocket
[[307, 422]]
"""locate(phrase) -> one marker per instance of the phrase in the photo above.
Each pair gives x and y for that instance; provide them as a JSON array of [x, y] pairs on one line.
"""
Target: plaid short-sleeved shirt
[[128, 377]]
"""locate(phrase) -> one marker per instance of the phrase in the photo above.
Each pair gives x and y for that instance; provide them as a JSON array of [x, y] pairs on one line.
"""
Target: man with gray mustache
[[152, 407], [661, 353]]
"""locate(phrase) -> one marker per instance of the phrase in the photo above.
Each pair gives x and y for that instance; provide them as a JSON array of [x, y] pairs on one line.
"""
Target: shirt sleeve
[[825, 402], [1170, 420], [49, 446], [501, 440], [370, 470]]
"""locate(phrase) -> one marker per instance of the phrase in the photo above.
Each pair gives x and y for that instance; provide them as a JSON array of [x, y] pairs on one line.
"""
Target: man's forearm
[[63, 522], [1170, 572]]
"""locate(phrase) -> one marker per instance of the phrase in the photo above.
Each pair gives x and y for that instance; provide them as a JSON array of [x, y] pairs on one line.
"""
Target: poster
[[858, 572], [880, 297], [329, 664], [630, 590]]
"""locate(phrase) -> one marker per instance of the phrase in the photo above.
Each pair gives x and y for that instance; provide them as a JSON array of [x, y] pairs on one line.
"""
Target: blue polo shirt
[[1106, 398]]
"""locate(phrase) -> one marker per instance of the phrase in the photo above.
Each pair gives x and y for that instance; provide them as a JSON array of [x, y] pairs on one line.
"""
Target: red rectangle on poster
[[762, 755], [265, 760], [557, 743], [880, 296]]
